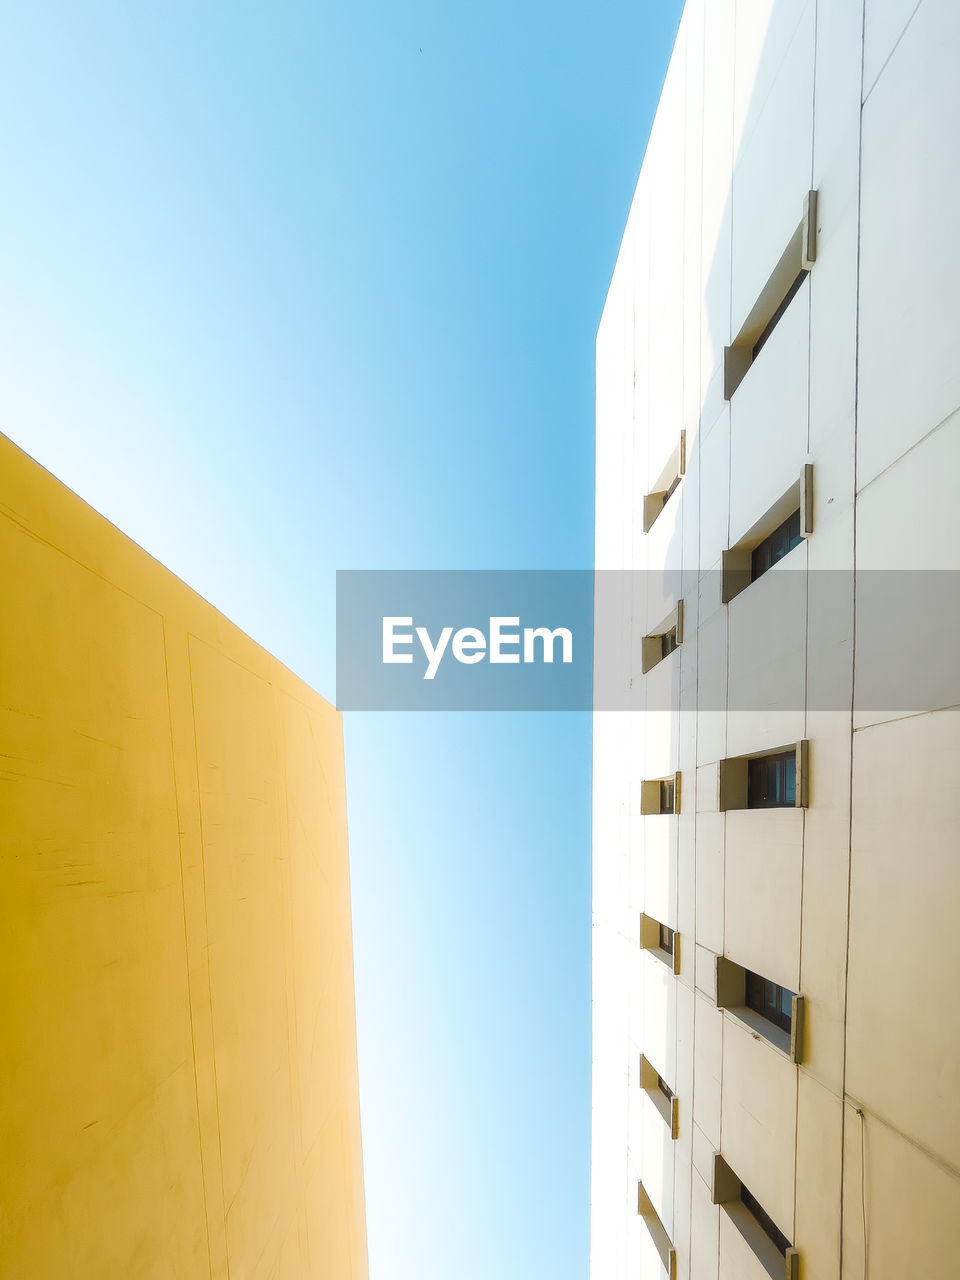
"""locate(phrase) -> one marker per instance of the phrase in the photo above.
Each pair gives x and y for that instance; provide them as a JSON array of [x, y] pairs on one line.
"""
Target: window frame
[[766, 997], [771, 1246], [665, 638], [666, 484], [764, 1221], [651, 938], [770, 777], [732, 995], [658, 1232], [661, 1095], [776, 545], [782, 286], [653, 792], [734, 773], [740, 566]]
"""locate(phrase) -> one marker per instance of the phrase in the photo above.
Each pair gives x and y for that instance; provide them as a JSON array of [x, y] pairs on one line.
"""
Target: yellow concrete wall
[[178, 1077]]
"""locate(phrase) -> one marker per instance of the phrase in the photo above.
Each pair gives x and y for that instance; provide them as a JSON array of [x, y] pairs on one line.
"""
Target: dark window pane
[[778, 314], [772, 781], [770, 1000], [773, 1002], [770, 1228], [667, 795], [775, 546], [664, 1088], [756, 989]]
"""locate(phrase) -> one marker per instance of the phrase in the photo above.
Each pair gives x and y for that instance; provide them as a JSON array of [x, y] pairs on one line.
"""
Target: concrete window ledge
[[759, 1026]]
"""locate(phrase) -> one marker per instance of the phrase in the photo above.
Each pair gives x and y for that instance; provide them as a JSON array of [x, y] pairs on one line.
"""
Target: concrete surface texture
[[178, 1076], [849, 1141]]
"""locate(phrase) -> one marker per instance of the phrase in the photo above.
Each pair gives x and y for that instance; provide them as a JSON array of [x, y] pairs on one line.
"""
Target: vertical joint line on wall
[[853, 646], [186, 942], [206, 924]]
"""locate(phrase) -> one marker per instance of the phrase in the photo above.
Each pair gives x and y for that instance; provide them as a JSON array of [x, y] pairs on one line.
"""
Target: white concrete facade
[[850, 1142]]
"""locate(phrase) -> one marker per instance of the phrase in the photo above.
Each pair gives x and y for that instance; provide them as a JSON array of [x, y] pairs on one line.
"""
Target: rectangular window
[[776, 1255], [768, 780], [663, 640], [772, 781], [775, 546], [765, 1222], [665, 485], [660, 1094], [782, 286], [781, 528], [658, 1233], [668, 795], [654, 503], [778, 314], [769, 999], [766, 1008], [660, 795], [660, 939]]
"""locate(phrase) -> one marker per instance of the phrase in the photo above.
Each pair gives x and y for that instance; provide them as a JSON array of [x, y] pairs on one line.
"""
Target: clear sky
[[289, 287]]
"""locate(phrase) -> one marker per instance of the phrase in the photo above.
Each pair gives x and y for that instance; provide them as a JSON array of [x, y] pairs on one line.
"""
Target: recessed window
[[661, 941], [668, 795], [778, 314], [776, 545], [655, 502], [660, 1094], [766, 779], [663, 640], [782, 286], [769, 999], [767, 1008], [660, 795], [772, 781], [766, 1240], [658, 1232], [665, 485], [784, 526], [766, 1223]]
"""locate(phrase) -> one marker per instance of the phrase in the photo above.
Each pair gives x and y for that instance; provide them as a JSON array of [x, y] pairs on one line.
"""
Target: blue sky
[[290, 287]]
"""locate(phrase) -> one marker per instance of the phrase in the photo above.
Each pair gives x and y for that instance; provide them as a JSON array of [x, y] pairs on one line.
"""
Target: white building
[[776, 1060]]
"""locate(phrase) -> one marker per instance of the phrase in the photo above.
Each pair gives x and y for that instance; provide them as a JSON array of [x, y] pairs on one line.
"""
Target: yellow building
[[178, 1074]]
